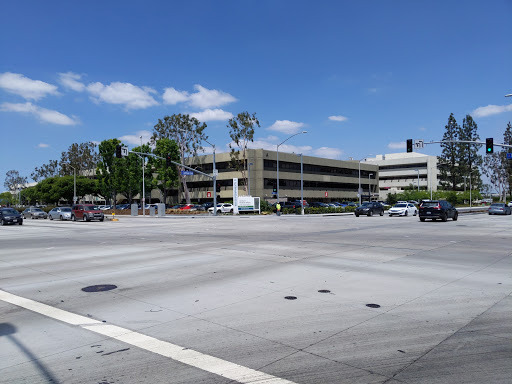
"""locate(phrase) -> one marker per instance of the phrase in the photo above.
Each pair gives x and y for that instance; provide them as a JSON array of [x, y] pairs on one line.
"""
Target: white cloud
[[70, 80], [43, 114], [286, 126], [338, 118], [127, 94], [491, 110], [212, 115], [25, 87], [135, 139], [373, 90], [329, 153], [399, 145], [270, 143], [209, 98], [172, 96], [42, 145], [422, 129]]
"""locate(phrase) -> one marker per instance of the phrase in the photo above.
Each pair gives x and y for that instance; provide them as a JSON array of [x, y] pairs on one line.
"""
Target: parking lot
[[257, 299]]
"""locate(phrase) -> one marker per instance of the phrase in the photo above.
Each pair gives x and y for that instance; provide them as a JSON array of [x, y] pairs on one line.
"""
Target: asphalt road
[[203, 300]]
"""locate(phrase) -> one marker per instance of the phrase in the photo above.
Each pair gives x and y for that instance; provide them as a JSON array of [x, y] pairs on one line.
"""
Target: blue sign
[[509, 156], [187, 173]]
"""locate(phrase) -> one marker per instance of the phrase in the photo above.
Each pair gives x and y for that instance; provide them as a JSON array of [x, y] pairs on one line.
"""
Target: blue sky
[[360, 76]]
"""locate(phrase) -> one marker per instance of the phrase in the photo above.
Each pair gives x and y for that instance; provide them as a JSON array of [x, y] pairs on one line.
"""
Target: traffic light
[[489, 145], [218, 187], [409, 145], [168, 161], [274, 190], [118, 152]]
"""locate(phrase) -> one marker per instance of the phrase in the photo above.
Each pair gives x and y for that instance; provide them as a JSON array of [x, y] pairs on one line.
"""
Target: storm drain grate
[[99, 288], [290, 297], [373, 305]]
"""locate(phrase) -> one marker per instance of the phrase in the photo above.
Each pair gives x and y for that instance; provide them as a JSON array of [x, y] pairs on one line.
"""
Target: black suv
[[369, 209], [10, 216], [437, 209]]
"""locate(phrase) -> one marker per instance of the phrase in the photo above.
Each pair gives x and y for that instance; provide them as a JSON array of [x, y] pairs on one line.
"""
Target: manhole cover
[[373, 305], [99, 288], [290, 297], [324, 291]]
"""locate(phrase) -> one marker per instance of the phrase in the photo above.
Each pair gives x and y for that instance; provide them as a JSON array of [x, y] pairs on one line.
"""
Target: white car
[[60, 213], [403, 209], [222, 208]]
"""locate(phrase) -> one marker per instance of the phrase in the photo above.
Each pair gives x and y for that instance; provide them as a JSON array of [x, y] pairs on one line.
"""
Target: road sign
[[509, 156], [187, 173], [124, 151], [216, 173], [326, 194], [418, 144], [208, 194]]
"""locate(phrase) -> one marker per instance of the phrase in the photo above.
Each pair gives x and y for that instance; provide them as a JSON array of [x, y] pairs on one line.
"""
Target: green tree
[[7, 198], [47, 170], [469, 161], [83, 157], [166, 177], [241, 133], [449, 159], [109, 177], [13, 181], [188, 133]]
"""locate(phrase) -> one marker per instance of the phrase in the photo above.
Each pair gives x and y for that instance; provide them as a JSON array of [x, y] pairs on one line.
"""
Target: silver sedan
[[60, 213], [499, 209]]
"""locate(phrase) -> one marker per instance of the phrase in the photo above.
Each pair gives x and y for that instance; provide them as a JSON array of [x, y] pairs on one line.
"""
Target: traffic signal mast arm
[[175, 163], [467, 142]]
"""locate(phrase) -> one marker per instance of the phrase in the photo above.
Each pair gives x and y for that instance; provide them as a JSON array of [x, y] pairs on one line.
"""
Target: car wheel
[[357, 214], [415, 213], [406, 213], [101, 219], [444, 217], [490, 213], [218, 212], [456, 216], [382, 213], [61, 218], [3, 222], [73, 218], [32, 217], [231, 211], [20, 223], [50, 217], [370, 213], [422, 219]]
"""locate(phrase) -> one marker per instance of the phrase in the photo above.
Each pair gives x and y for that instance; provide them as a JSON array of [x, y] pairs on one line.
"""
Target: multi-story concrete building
[[400, 170], [323, 179]]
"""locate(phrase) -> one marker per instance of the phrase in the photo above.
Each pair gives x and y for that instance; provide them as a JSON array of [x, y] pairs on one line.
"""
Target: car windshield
[[65, 209], [91, 207], [9, 211], [400, 205], [430, 204], [497, 205], [37, 210], [365, 204]]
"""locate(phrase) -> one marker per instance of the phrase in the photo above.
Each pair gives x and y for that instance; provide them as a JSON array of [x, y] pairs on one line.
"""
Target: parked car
[[437, 209], [86, 212], [369, 209], [297, 203], [499, 209], [60, 213], [207, 205], [34, 213], [403, 209], [10, 216], [222, 208], [186, 207], [318, 204]]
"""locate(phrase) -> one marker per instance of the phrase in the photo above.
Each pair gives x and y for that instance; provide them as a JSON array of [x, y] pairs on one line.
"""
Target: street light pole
[[74, 183], [278, 159], [214, 181], [301, 186], [249, 179], [143, 205], [360, 191], [369, 187]]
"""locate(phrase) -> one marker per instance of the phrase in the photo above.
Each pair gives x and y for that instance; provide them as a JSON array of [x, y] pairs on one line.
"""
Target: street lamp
[[301, 186], [278, 159], [369, 187], [214, 180], [143, 205], [360, 191], [74, 183], [249, 179]]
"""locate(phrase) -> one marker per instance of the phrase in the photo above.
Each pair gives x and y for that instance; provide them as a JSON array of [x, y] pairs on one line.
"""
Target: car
[[499, 209], [297, 203], [207, 205], [369, 209], [222, 208], [34, 213], [86, 212], [60, 213], [437, 209], [318, 204], [10, 216], [510, 204], [289, 205], [403, 209], [187, 207]]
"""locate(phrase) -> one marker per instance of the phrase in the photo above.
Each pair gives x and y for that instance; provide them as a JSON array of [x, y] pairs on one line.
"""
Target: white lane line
[[190, 357]]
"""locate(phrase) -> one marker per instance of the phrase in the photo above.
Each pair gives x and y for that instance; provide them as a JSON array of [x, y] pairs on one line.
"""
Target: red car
[[186, 206], [86, 212]]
